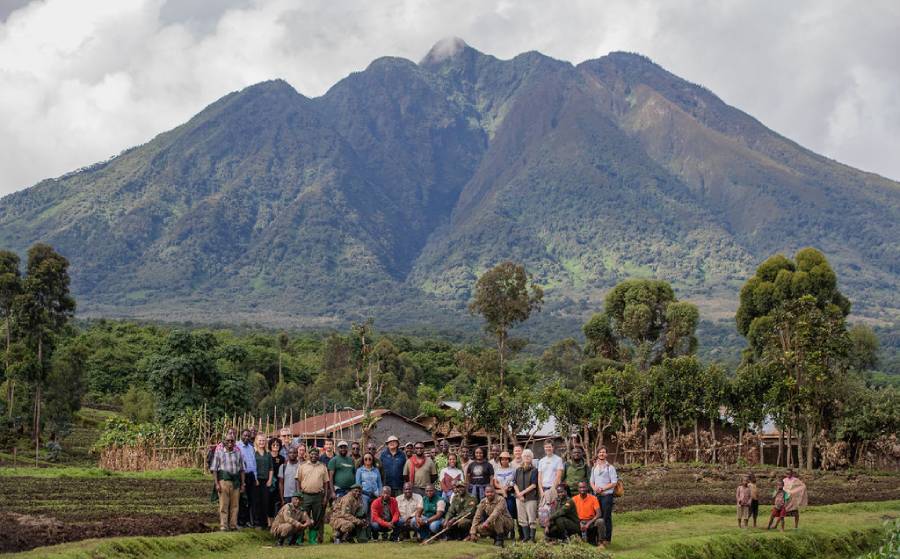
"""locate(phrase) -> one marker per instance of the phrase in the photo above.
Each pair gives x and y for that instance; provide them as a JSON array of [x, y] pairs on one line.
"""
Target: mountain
[[388, 195]]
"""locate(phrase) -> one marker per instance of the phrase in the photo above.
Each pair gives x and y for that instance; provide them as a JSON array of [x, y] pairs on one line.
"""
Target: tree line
[[636, 379]]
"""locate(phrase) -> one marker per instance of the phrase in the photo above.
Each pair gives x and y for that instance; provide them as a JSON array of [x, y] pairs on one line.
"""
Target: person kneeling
[[491, 518], [590, 516], [458, 520], [290, 522], [348, 518], [430, 519], [385, 515], [563, 521]]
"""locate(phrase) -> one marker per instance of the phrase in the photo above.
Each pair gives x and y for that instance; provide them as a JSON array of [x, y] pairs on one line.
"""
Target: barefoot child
[[742, 495], [778, 510]]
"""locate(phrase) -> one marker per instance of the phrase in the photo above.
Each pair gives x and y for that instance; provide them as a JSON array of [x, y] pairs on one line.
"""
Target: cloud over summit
[[81, 81]]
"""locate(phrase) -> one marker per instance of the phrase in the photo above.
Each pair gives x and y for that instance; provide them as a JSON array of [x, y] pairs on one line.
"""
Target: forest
[[636, 377]]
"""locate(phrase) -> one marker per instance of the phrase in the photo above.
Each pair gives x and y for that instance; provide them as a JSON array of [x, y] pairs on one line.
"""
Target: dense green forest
[[789, 355]]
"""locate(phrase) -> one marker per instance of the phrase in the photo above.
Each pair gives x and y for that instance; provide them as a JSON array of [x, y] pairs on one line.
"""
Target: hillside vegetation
[[390, 194]]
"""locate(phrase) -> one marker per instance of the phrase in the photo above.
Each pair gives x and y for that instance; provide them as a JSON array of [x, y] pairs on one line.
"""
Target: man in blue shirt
[[245, 517], [392, 462]]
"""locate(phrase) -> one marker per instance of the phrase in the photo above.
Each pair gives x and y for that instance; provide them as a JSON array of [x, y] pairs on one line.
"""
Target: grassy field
[[826, 532]]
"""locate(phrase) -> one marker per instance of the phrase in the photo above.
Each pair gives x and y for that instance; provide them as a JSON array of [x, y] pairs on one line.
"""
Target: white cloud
[[80, 81]]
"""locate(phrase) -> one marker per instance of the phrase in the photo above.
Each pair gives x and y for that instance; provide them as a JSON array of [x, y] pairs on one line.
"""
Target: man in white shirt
[[550, 468], [410, 506]]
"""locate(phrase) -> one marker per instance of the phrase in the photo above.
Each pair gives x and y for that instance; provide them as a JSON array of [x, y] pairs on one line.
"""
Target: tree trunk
[[762, 457], [280, 376], [696, 440], [712, 431], [799, 435], [10, 383], [646, 441], [780, 445], [810, 444], [790, 452], [740, 453], [665, 437]]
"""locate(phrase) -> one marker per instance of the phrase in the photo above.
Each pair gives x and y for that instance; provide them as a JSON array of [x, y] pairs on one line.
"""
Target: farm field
[[50, 505], [827, 532]]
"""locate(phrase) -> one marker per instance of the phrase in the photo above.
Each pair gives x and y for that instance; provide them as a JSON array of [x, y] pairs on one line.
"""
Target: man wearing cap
[[342, 471], [420, 470], [290, 522], [348, 520], [460, 513], [392, 462], [228, 467], [492, 518], [408, 449], [314, 483], [563, 521]]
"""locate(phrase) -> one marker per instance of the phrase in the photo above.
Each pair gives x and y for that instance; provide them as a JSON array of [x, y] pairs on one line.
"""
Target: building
[[347, 425]]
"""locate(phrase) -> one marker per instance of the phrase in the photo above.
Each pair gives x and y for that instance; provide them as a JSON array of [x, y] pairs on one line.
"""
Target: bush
[[575, 549], [138, 405], [891, 546]]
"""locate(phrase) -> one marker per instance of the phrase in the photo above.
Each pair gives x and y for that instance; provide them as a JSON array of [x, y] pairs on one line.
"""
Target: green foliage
[[138, 405], [575, 549], [184, 373], [864, 346], [890, 548]]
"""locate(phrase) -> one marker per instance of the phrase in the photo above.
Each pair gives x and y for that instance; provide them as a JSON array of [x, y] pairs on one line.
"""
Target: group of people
[[788, 498], [411, 492]]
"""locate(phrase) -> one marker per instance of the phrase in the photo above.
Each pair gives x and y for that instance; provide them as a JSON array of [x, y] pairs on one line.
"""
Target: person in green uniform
[[577, 470], [460, 513], [313, 482], [342, 471], [563, 520]]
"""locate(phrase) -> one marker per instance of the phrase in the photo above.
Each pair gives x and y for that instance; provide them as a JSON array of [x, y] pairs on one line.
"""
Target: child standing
[[781, 496], [754, 499], [742, 495]]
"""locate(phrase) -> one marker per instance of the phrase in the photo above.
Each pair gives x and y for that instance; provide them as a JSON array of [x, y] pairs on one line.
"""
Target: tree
[[505, 296], [184, 374], [642, 317], [370, 379], [42, 308], [563, 360], [283, 341], [672, 400], [863, 349], [10, 287]]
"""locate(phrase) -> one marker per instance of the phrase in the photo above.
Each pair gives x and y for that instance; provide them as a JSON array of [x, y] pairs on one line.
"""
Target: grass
[[701, 532]]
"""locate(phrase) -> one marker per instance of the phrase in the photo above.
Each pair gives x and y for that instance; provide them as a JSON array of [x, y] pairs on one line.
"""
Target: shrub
[[575, 549]]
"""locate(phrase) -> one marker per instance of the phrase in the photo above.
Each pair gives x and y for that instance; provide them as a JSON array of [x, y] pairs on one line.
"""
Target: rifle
[[434, 537]]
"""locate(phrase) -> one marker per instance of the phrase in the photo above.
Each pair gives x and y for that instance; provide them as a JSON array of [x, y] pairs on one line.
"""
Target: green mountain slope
[[389, 194]]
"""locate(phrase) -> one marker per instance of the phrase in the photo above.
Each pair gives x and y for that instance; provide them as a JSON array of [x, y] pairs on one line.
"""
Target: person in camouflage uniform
[[459, 514], [491, 518], [564, 521], [348, 520], [290, 522]]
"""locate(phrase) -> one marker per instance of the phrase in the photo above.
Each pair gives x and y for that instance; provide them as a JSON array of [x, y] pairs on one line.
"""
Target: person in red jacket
[[385, 515]]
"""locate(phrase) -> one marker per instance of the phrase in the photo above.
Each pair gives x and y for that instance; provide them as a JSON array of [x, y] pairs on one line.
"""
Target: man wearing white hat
[[342, 471], [392, 462]]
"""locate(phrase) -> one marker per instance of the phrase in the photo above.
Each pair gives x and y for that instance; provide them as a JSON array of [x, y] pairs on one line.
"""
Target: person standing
[[302, 453], [290, 522], [590, 517], [355, 453], [429, 522], [265, 479], [341, 471], [517, 457], [550, 469], [742, 496], [372, 449], [287, 441], [494, 456], [392, 462], [248, 503], [328, 453], [314, 482], [526, 490], [368, 477], [276, 499], [409, 449], [442, 458], [576, 470], [449, 476], [479, 474], [228, 468], [780, 498], [384, 516], [603, 481], [754, 498], [287, 476], [420, 470], [797, 498]]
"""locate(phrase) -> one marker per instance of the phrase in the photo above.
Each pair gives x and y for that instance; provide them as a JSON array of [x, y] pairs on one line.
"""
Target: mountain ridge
[[392, 191]]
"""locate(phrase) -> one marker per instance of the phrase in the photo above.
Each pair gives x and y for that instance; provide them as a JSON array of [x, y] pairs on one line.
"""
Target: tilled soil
[[45, 511]]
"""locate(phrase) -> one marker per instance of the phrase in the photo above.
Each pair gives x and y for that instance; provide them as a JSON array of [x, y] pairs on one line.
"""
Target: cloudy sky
[[82, 80]]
